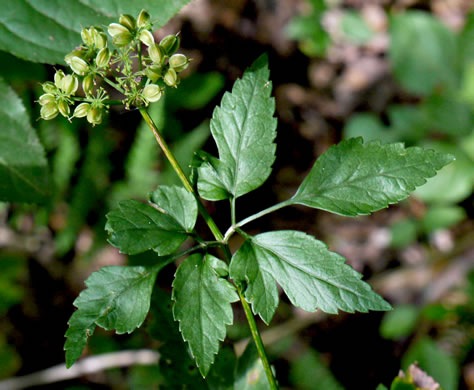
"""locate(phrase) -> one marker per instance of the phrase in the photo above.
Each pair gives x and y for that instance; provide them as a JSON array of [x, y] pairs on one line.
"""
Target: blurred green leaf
[[88, 192], [399, 322], [221, 375], [24, 175], [437, 363], [249, 374], [308, 372], [12, 290], [454, 182], [446, 114], [176, 365], [15, 70], [442, 217], [195, 92], [355, 28], [10, 360], [422, 52], [403, 233], [144, 378], [369, 127], [308, 30], [46, 30]]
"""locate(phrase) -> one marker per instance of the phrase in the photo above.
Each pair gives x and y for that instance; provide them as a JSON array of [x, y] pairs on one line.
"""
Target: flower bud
[[153, 72], [64, 108], [143, 19], [116, 29], [74, 53], [88, 84], [152, 93], [179, 62], [49, 111], [170, 44], [147, 38], [46, 99], [171, 78], [122, 39], [156, 54], [82, 110], [94, 116], [103, 57], [79, 66], [49, 87], [58, 78], [128, 21], [69, 84], [87, 37], [100, 40]]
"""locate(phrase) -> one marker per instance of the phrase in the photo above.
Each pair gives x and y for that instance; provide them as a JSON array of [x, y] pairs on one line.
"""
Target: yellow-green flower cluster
[[93, 62]]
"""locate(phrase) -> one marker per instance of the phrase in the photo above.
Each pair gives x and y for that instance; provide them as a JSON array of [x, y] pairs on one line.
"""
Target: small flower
[[49, 87], [46, 98], [122, 39], [64, 108], [86, 37], [58, 78], [100, 40], [88, 84], [79, 66], [170, 44], [82, 110], [179, 62], [49, 111], [115, 29], [156, 54], [147, 38], [171, 78], [94, 116], [103, 57], [75, 53], [128, 21], [152, 93], [143, 19], [153, 72], [69, 84]]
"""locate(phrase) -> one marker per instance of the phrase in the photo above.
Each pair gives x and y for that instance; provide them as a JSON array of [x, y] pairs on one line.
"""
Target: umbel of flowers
[[139, 75]]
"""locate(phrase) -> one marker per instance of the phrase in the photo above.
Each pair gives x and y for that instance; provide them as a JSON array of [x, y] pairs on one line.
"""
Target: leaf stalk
[[219, 237]]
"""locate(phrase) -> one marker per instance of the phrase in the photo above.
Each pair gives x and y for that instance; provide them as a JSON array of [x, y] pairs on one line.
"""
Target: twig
[[86, 366]]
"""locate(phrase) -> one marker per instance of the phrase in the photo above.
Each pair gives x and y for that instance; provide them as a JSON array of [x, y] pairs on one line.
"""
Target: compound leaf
[[311, 276], [178, 203], [353, 178], [46, 30], [116, 298], [24, 174], [202, 306], [244, 129], [135, 227]]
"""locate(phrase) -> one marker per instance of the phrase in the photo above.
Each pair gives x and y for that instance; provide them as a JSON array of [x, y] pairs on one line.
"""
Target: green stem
[[114, 85], [108, 102], [253, 217], [258, 342], [219, 237], [232, 211]]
